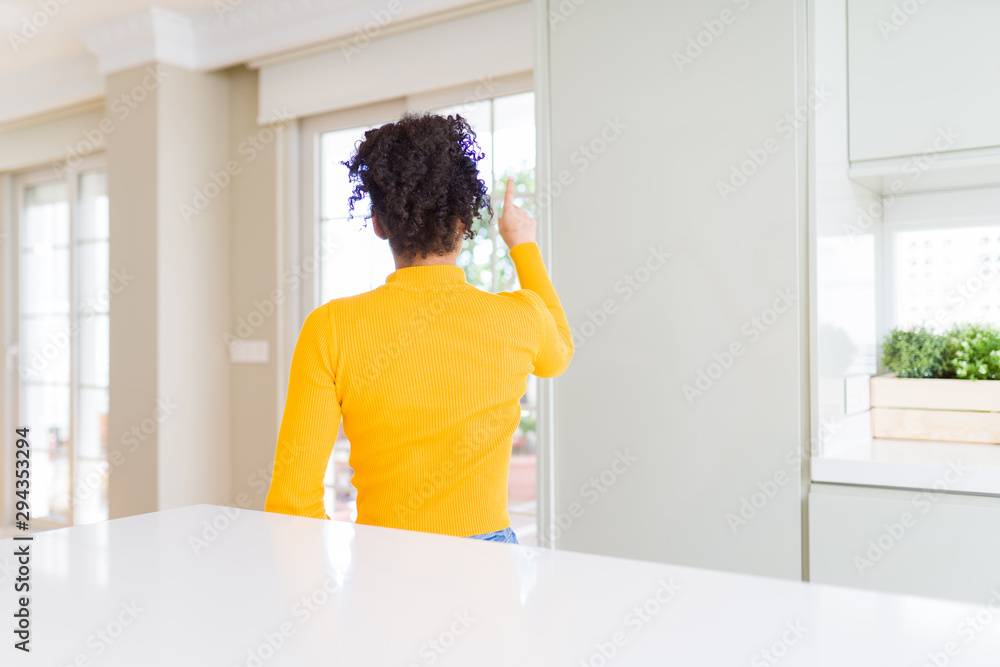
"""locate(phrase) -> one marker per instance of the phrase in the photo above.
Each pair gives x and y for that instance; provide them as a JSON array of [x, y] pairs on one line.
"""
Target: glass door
[[44, 368], [62, 312]]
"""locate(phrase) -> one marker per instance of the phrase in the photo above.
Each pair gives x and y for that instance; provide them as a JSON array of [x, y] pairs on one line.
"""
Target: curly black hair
[[422, 177]]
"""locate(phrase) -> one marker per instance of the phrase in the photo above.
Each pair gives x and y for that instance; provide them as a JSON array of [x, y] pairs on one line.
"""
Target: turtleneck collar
[[426, 276]]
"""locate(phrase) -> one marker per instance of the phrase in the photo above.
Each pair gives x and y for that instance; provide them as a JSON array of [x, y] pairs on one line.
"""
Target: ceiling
[[51, 62], [57, 39]]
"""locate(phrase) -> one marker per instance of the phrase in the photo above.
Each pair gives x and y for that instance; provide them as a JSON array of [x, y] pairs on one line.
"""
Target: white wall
[[481, 46], [671, 137], [847, 222], [133, 485], [42, 141], [169, 364], [259, 291], [194, 300]]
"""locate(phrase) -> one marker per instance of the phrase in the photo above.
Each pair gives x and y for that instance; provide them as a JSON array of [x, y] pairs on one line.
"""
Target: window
[[505, 127], [942, 276], [61, 307], [352, 260]]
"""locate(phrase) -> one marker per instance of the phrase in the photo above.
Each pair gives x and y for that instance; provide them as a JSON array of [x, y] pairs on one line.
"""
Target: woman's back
[[426, 371]]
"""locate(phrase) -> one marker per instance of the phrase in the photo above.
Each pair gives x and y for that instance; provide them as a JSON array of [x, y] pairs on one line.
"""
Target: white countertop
[[334, 593], [850, 455]]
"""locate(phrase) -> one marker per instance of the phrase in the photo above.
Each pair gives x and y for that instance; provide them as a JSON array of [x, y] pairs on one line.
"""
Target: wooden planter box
[[928, 409]]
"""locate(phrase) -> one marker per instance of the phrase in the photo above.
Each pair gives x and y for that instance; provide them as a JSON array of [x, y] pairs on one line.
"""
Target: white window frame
[[16, 185]]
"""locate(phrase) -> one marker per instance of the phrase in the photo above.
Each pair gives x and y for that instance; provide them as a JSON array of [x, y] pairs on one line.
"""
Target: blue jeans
[[506, 536]]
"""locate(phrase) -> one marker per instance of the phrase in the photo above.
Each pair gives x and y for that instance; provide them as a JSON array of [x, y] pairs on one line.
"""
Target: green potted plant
[[940, 386]]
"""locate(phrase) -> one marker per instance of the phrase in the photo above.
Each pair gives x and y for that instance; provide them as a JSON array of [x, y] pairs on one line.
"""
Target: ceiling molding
[[234, 32], [38, 90], [51, 116], [408, 64], [392, 28], [152, 35], [227, 33]]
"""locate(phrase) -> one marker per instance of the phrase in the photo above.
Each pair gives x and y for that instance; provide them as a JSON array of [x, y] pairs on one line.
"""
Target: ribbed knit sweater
[[427, 373]]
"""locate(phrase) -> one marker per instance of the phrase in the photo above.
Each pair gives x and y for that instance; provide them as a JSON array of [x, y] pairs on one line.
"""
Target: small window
[[944, 275]]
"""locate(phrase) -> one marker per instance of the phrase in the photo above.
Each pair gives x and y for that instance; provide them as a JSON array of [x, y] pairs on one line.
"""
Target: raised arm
[[518, 230], [309, 425]]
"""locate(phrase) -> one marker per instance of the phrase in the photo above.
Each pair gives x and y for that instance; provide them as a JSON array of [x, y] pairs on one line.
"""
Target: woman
[[427, 371]]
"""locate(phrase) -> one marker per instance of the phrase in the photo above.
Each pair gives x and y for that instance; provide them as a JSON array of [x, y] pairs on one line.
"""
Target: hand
[[515, 225]]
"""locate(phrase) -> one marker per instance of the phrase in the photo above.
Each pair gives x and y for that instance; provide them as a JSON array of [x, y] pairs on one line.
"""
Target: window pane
[[353, 259], [46, 215], [93, 216], [480, 117], [514, 140], [506, 276], [45, 281], [90, 434], [476, 259], [938, 276], [92, 269], [92, 438], [514, 156], [48, 342], [90, 493], [505, 127], [45, 410], [337, 147], [50, 484], [94, 350], [45, 350]]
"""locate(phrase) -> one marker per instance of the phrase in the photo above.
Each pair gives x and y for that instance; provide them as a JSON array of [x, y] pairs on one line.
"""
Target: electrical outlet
[[249, 352]]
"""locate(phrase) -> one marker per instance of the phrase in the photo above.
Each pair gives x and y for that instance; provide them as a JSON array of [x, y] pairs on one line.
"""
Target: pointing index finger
[[508, 195]]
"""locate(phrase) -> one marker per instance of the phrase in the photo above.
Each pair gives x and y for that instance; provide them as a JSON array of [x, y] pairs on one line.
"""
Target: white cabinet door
[[690, 364], [921, 543], [918, 68]]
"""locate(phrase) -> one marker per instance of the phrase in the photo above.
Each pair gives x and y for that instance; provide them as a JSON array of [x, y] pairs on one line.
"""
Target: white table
[[330, 593]]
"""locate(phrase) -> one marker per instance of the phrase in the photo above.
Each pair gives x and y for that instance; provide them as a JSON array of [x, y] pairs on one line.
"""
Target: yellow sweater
[[427, 372]]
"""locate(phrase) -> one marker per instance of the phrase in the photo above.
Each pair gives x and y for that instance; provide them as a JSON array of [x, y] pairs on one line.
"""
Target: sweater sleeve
[[557, 341], [309, 425]]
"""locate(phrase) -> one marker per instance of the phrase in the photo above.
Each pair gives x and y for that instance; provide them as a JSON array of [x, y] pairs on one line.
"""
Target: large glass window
[[353, 260], [944, 276], [505, 127], [63, 343]]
